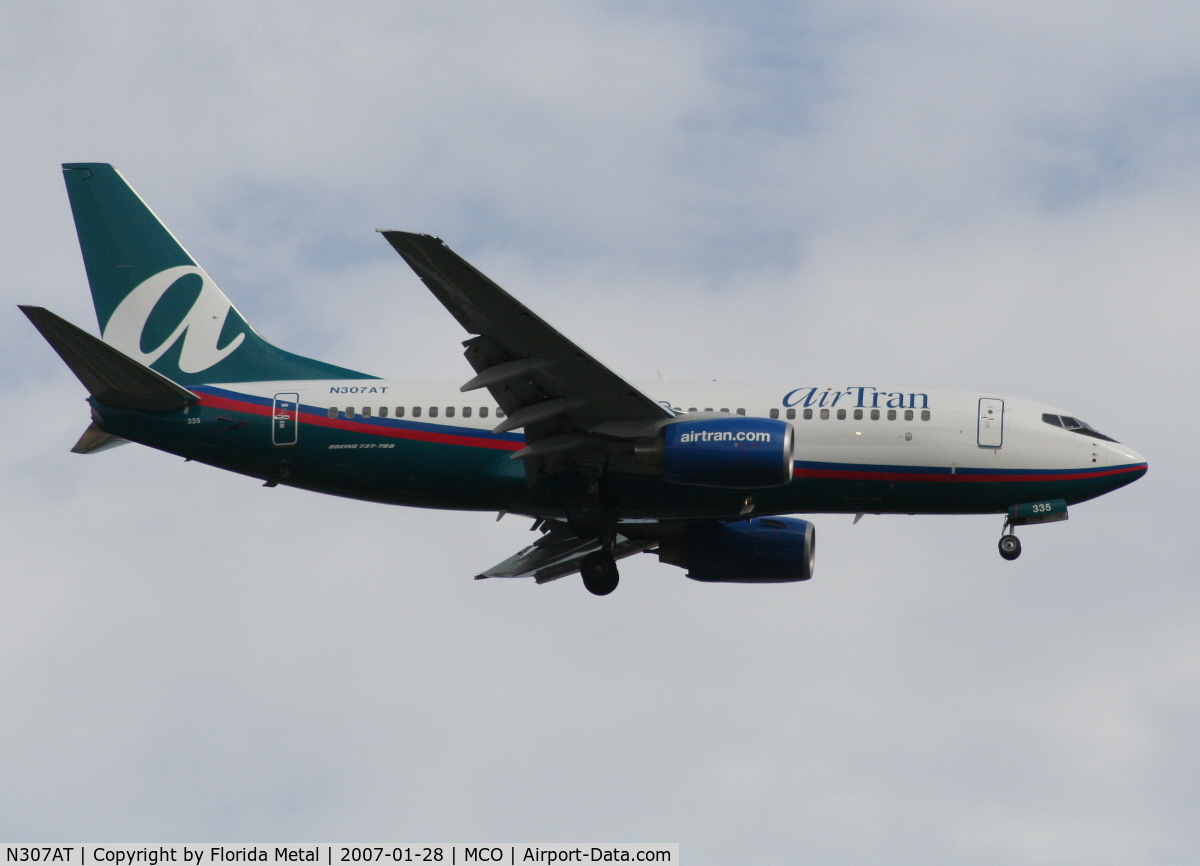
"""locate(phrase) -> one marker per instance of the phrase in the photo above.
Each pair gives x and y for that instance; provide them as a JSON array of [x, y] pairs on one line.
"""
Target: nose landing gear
[[1010, 545], [1027, 514]]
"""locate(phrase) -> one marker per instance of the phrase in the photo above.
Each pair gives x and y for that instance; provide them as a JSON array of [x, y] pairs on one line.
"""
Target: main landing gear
[[592, 516], [599, 572]]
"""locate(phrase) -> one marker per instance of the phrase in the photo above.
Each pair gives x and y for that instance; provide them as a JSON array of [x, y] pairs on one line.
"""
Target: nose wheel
[[1010, 546]]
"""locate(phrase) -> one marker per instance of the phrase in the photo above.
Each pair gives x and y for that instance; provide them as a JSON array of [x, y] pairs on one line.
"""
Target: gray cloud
[[918, 192]]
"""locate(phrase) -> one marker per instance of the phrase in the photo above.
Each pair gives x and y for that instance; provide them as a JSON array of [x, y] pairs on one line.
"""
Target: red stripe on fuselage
[[213, 401], [857, 475]]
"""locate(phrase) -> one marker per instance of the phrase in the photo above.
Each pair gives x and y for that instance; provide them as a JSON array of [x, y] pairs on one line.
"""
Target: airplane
[[705, 475]]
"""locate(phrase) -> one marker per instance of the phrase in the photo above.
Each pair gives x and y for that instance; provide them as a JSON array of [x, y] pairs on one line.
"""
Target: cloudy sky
[[930, 193]]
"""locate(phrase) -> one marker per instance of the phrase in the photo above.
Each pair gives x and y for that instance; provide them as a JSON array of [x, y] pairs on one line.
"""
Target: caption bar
[[329, 855]]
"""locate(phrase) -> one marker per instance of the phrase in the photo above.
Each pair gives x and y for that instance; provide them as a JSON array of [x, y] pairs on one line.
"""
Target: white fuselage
[[951, 434]]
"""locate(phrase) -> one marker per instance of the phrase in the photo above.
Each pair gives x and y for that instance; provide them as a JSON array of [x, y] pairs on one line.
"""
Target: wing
[[558, 553], [563, 397]]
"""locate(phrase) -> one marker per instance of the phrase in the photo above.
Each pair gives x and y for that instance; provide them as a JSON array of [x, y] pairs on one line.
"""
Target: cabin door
[[990, 433], [285, 419]]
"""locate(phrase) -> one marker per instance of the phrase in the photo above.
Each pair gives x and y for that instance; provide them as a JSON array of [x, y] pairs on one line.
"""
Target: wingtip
[[36, 314], [410, 234]]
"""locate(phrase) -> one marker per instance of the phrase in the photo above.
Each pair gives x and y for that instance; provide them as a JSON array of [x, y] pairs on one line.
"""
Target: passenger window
[[449, 411], [791, 413], [349, 411], [924, 414], [366, 413], [416, 411], [466, 411], [726, 411], [858, 414], [499, 412], [483, 411], [841, 414], [708, 408], [399, 411], [908, 415], [824, 414], [333, 412], [1052, 420], [808, 414], [692, 409], [383, 411], [774, 413], [891, 414], [741, 411], [874, 414], [433, 411]]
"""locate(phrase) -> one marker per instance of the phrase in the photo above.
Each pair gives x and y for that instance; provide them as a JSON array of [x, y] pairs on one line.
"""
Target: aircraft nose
[[1123, 455]]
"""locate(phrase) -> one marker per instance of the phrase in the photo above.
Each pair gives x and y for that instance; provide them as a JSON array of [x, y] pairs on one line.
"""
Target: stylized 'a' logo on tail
[[207, 311], [156, 305]]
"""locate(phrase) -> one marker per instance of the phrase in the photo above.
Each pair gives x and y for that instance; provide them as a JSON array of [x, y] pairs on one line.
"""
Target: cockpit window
[[1075, 426]]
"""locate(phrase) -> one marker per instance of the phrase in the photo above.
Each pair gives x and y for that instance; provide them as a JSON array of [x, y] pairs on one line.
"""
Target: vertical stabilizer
[[156, 305]]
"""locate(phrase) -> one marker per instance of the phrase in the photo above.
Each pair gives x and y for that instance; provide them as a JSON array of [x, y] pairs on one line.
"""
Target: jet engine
[[732, 451], [758, 550]]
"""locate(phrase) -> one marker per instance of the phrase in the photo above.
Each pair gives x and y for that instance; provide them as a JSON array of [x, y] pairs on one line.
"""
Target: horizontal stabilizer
[[95, 440], [113, 378]]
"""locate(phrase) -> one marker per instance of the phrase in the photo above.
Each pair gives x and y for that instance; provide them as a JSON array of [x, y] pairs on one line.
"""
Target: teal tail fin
[[156, 305]]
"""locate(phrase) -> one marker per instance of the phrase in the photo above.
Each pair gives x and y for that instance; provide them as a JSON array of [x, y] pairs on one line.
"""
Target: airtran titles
[[860, 397]]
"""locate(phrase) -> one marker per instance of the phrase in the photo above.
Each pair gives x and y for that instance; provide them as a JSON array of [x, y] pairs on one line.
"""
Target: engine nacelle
[[734, 451], [759, 550]]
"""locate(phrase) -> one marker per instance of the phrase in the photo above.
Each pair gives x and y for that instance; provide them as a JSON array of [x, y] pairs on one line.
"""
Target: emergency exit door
[[285, 419], [990, 433]]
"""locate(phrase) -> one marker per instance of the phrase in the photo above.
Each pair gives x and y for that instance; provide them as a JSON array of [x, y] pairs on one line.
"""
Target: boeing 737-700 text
[[702, 474]]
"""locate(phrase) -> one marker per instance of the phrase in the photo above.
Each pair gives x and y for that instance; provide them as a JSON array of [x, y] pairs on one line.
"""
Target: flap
[[558, 554]]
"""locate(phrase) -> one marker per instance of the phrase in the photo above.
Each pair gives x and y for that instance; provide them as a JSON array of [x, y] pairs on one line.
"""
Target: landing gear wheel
[[585, 516], [599, 572], [1010, 547]]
